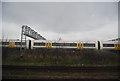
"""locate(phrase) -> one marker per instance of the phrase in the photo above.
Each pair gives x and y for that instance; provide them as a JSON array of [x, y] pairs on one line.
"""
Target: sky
[[89, 21]]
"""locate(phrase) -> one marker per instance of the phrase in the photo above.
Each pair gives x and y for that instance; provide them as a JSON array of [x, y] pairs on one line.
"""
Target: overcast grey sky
[[68, 20]]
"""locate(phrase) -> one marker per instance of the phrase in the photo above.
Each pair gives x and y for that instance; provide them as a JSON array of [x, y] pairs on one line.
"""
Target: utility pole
[[23, 39]]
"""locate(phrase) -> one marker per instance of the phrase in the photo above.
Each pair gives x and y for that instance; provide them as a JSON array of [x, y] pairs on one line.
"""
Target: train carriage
[[109, 45], [64, 44], [14, 43]]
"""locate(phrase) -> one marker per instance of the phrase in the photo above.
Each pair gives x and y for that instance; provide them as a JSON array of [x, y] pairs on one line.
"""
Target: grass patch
[[60, 57]]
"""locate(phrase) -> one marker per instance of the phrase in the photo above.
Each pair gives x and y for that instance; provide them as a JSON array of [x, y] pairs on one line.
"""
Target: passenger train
[[33, 44]]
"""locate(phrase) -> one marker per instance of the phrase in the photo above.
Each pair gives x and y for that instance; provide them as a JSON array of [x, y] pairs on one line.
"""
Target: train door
[[11, 44], [117, 46], [48, 45], [80, 46]]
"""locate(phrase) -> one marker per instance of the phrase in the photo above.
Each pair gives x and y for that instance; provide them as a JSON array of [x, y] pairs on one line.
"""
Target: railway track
[[59, 72]]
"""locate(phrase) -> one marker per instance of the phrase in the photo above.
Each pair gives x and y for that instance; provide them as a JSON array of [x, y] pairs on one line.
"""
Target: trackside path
[[60, 72]]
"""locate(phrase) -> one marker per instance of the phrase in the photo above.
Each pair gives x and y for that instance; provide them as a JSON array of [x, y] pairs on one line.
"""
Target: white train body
[[33, 44], [64, 44]]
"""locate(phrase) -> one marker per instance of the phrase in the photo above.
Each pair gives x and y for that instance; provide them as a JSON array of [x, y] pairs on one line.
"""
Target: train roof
[[59, 41]]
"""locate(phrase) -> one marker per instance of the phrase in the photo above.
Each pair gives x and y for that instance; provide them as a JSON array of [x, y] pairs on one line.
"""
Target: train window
[[61, 44], [70, 44], [39, 44], [5, 43], [54, 44], [67, 44], [64, 44], [57, 44], [88, 45], [108, 45], [19, 43], [73, 44]]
